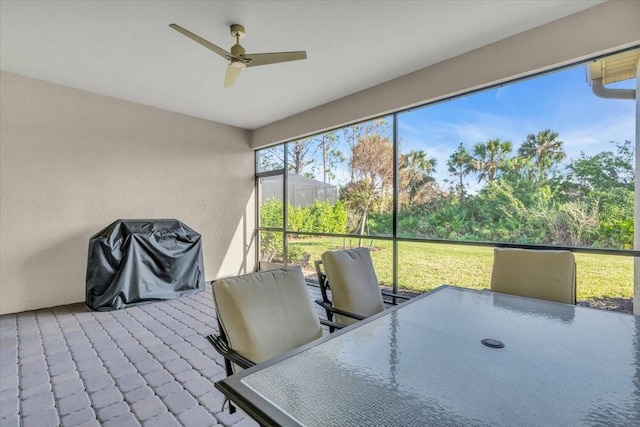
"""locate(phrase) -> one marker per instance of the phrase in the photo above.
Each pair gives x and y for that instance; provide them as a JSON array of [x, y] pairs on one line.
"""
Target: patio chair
[[541, 274], [354, 287], [262, 315]]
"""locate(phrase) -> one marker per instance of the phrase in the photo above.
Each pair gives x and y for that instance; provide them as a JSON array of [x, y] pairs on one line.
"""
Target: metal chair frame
[[221, 344], [327, 304]]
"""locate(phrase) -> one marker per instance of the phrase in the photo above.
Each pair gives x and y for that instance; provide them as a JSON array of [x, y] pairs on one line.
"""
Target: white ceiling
[[127, 50]]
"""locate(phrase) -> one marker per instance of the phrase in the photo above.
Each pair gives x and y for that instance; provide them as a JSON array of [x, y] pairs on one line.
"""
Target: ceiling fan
[[238, 59]]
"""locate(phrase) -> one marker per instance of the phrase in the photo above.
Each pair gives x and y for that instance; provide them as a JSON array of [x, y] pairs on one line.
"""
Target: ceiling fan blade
[[232, 75], [273, 58], [220, 51]]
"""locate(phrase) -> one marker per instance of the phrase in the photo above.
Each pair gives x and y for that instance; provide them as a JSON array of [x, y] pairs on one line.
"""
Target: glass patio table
[[423, 363]]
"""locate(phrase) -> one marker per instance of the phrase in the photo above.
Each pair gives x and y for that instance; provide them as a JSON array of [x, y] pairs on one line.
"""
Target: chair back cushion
[[547, 275], [353, 282], [267, 313]]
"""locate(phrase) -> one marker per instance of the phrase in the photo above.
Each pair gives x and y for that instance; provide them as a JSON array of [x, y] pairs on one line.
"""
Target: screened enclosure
[[302, 191]]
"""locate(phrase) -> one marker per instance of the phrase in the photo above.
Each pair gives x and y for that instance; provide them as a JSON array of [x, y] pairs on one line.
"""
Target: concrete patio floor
[[148, 365]]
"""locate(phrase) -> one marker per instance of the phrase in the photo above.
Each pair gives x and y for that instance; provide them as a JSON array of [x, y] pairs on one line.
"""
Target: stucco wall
[[73, 161], [597, 30]]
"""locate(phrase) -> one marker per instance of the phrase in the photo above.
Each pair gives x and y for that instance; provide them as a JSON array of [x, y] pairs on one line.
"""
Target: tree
[[544, 149], [301, 154], [460, 165], [416, 181], [304, 155], [607, 180], [331, 156], [603, 171], [354, 133], [371, 167], [271, 158], [489, 157]]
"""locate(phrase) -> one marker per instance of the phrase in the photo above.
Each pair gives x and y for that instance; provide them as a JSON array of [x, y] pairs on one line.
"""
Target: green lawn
[[424, 266]]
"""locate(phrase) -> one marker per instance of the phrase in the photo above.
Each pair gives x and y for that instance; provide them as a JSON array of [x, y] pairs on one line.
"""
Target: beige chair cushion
[[353, 282], [547, 275], [267, 313]]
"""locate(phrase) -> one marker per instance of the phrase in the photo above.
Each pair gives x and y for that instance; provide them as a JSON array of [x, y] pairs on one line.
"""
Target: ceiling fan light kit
[[238, 59]]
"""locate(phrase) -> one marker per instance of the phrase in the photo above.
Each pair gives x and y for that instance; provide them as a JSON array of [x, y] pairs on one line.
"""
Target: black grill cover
[[136, 261]]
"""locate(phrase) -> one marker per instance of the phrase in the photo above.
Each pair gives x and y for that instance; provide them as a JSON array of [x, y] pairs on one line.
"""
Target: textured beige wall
[[600, 29], [73, 161]]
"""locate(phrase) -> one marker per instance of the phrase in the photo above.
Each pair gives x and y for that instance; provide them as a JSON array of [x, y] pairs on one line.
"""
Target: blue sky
[[561, 101]]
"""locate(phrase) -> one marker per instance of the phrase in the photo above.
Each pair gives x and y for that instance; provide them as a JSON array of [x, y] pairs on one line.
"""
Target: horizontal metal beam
[[576, 249]]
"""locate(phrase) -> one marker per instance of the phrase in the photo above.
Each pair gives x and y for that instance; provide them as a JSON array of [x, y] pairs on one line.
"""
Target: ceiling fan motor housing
[[237, 50], [237, 30]]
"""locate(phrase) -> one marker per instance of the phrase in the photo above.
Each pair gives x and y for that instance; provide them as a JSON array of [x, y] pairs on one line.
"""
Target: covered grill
[[136, 261]]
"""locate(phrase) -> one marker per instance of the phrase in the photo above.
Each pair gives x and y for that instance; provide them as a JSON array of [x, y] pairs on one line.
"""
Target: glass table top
[[424, 364]]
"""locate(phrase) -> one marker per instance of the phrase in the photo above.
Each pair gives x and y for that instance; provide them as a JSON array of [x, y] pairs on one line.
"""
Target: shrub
[[318, 217]]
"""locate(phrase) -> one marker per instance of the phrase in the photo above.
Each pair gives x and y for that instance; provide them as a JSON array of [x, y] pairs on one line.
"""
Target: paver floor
[[149, 365]]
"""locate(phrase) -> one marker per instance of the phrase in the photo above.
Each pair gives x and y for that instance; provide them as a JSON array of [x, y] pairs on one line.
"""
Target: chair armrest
[[332, 324], [392, 295], [338, 311], [223, 348]]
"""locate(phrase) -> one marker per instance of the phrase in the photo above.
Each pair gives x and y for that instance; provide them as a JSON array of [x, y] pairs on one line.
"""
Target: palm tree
[[460, 165], [544, 149], [416, 176], [489, 157]]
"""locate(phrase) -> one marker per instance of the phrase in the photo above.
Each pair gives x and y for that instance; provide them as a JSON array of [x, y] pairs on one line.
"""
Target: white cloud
[[595, 138]]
